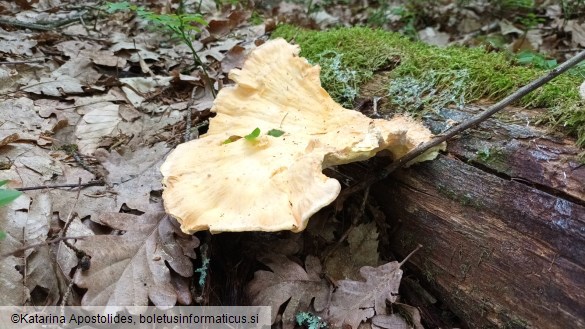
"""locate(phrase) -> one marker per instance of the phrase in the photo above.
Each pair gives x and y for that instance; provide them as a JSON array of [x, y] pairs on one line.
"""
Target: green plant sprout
[[253, 136], [275, 133], [182, 25], [530, 21], [535, 59], [231, 139], [408, 18]]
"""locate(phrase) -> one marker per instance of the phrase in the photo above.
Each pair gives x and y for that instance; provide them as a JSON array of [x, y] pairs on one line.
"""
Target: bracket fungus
[[259, 167]]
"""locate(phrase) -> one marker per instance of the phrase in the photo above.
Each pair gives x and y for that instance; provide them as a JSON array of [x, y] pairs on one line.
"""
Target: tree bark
[[501, 217]]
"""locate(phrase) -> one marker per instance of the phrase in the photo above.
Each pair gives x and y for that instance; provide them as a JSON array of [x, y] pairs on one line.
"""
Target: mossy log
[[501, 217]]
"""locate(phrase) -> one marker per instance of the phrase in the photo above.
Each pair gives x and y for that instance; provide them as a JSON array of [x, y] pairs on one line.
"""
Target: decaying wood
[[462, 126], [501, 217]]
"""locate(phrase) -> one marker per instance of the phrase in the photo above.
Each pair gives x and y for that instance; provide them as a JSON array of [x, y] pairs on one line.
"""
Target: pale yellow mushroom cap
[[274, 183]]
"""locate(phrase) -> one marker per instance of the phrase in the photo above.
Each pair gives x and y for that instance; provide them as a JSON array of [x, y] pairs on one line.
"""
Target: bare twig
[[82, 163], [34, 60], [409, 255], [32, 26], [67, 293], [78, 106], [70, 215], [81, 255], [44, 26], [40, 244], [68, 221], [25, 263], [92, 183], [83, 24], [419, 150]]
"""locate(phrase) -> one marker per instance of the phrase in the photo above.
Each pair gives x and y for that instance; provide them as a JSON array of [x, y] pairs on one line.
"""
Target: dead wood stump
[[501, 217]]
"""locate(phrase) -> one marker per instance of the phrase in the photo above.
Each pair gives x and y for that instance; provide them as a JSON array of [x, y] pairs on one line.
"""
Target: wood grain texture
[[501, 217]]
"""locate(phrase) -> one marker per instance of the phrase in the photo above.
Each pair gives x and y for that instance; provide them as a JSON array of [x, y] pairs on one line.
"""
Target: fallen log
[[501, 216]]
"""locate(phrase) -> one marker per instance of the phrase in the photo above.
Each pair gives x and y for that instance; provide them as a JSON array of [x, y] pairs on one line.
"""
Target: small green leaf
[[2, 235], [112, 7], [231, 139], [551, 63], [3, 182], [275, 132], [536, 60], [253, 135], [6, 196], [525, 58]]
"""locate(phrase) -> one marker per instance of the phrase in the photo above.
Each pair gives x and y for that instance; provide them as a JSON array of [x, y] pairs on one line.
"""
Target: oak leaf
[[361, 250], [25, 222], [357, 301], [130, 269], [289, 281]]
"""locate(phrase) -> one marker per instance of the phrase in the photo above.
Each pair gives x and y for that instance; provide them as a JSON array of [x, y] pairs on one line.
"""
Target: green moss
[[481, 75], [495, 158]]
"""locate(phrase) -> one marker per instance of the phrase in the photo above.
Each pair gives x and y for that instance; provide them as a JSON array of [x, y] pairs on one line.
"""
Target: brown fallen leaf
[[131, 268], [19, 120], [357, 301], [234, 58], [12, 219], [362, 249], [289, 281], [95, 125], [18, 47], [135, 175], [25, 222], [54, 86], [395, 321]]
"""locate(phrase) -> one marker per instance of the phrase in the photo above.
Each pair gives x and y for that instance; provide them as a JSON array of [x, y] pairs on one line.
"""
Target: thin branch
[[419, 150], [39, 26], [79, 253], [40, 244], [70, 215], [92, 183], [37, 60], [409, 255], [32, 26]]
